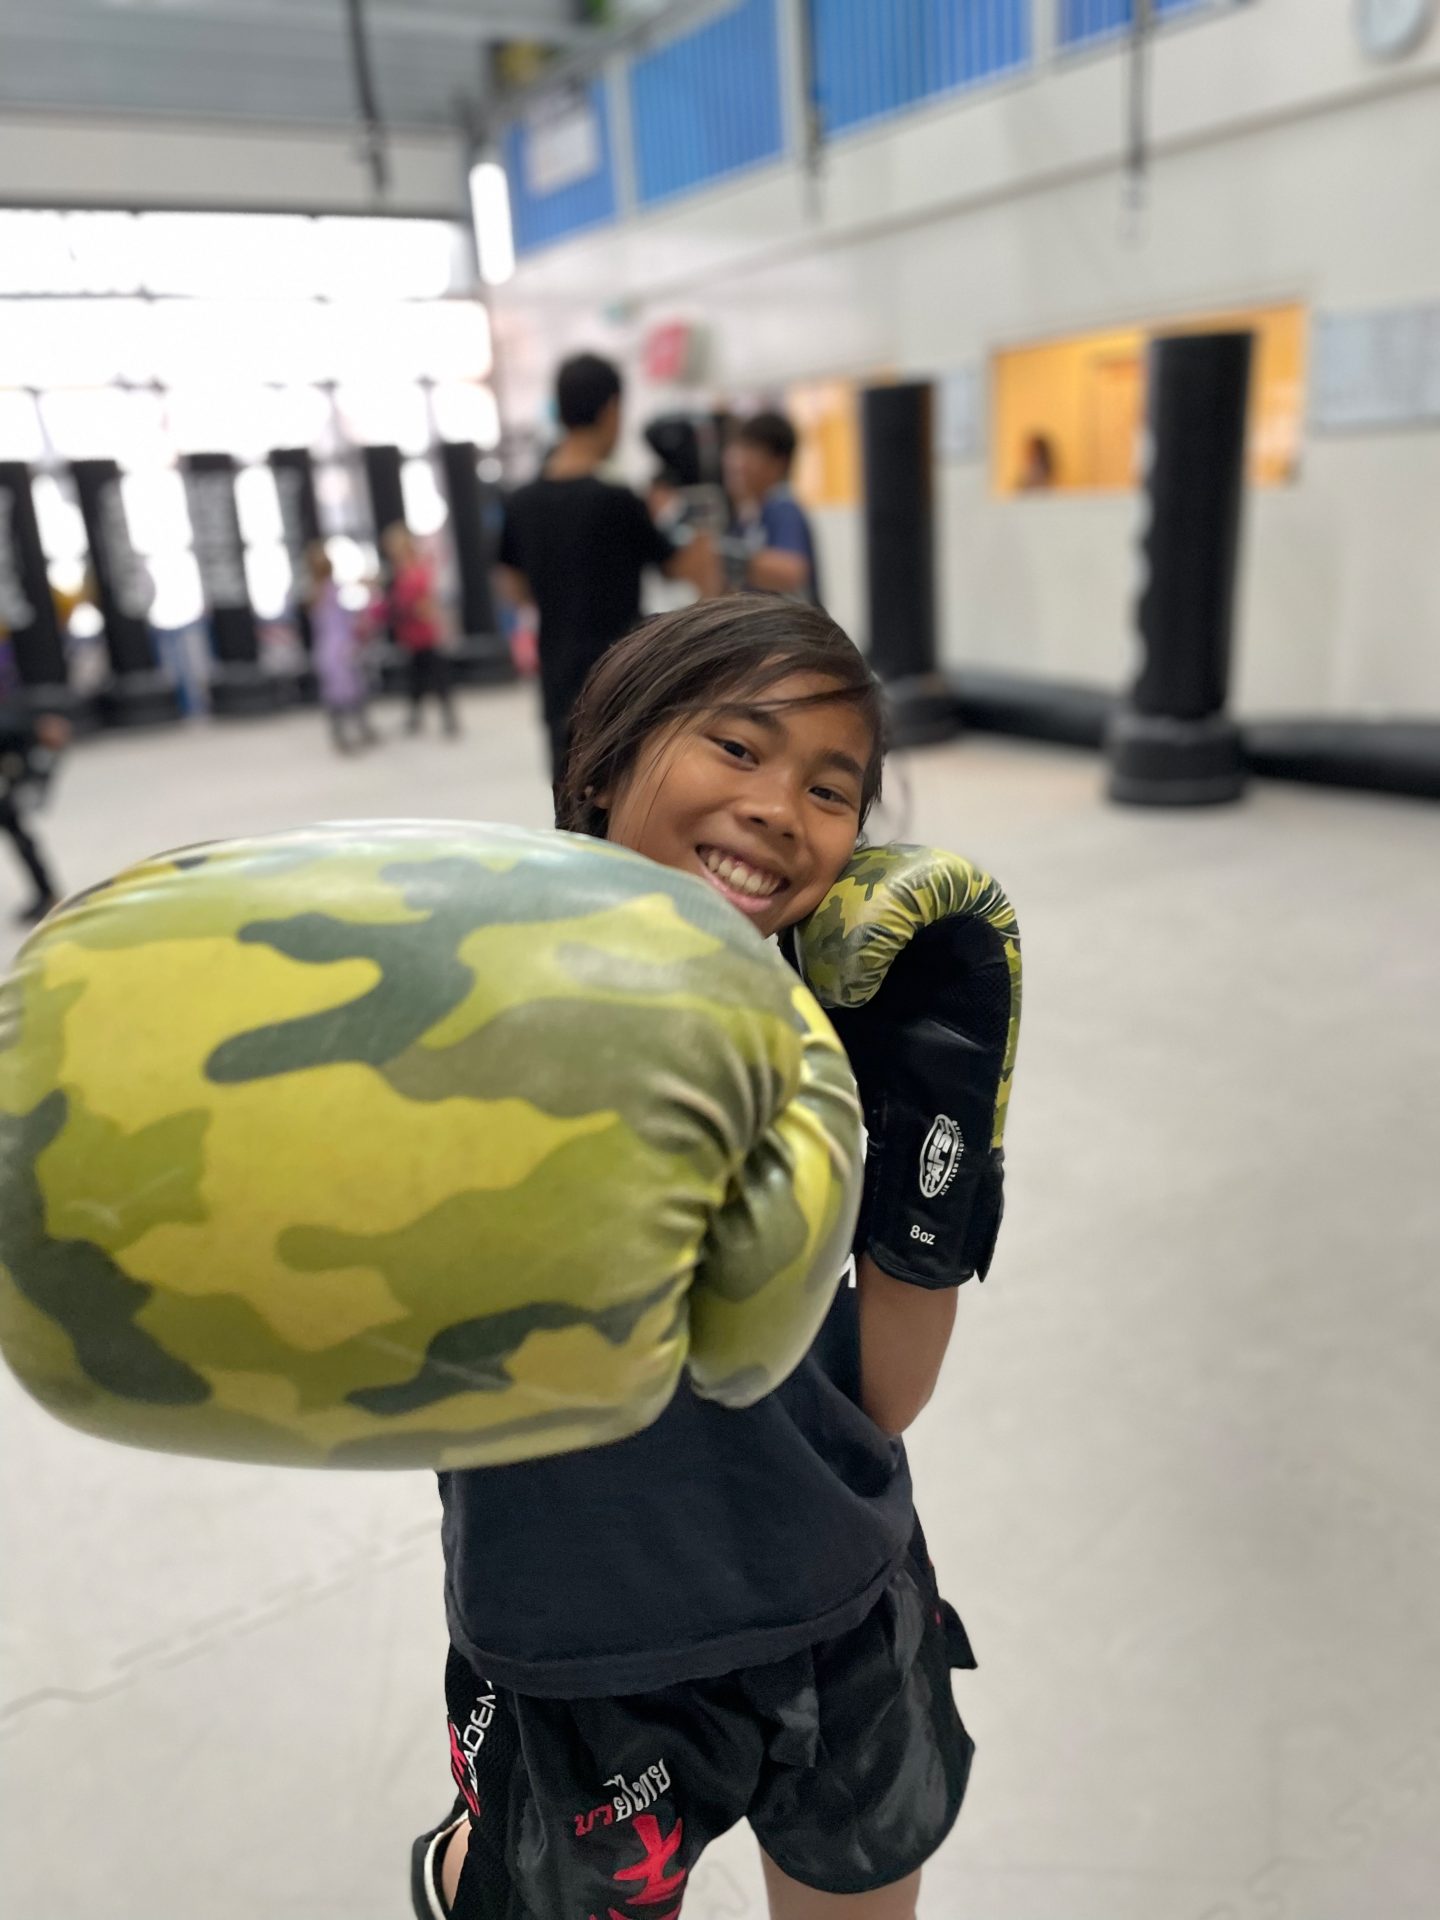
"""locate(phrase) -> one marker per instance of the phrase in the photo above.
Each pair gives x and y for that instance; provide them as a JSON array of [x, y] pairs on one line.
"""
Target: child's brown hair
[[688, 662]]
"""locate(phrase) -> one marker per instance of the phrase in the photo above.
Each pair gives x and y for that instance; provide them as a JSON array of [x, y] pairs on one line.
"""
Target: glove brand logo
[[940, 1156]]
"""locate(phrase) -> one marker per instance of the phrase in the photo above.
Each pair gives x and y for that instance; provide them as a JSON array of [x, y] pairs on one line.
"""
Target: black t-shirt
[[582, 544], [711, 1541]]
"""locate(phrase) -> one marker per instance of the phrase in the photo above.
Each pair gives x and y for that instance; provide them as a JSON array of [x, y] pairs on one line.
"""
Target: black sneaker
[[425, 1857]]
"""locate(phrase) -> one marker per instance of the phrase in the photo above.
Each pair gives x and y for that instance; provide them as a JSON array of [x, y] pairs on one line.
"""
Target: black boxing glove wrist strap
[[928, 1055]]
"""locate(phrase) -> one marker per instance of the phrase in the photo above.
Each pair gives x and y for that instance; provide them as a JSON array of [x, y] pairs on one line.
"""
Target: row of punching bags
[[1170, 741], [139, 691]]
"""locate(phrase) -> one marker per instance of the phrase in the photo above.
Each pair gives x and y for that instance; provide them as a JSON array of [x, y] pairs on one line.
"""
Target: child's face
[[761, 800], [750, 472]]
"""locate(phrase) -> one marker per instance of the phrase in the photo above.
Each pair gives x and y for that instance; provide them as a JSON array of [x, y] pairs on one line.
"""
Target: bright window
[[465, 411], [62, 530], [1068, 415], [379, 414], [217, 418], [379, 259], [826, 416], [20, 435], [179, 598], [269, 578], [155, 509], [446, 340], [257, 506], [299, 417], [144, 337], [106, 423], [212, 256], [74, 343], [425, 508]]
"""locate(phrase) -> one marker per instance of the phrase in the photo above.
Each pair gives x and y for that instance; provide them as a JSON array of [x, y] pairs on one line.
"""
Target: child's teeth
[[738, 876]]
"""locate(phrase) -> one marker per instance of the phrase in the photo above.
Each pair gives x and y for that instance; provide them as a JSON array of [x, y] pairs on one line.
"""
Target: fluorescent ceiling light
[[490, 208]]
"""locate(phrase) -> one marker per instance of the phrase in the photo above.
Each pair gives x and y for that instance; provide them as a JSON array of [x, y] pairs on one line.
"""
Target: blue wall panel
[[875, 57], [539, 218], [708, 103], [1080, 20]]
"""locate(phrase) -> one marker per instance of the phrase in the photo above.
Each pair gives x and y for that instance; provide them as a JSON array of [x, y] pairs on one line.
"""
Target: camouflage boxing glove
[[916, 954], [411, 1144]]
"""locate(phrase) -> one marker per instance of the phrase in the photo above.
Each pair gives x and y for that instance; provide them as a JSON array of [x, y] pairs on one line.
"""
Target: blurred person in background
[[1037, 465], [414, 614], [769, 545], [339, 657], [29, 744], [575, 545]]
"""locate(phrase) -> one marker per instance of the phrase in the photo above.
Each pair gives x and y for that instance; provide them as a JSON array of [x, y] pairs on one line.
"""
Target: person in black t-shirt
[[576, 545], [730, 1614]]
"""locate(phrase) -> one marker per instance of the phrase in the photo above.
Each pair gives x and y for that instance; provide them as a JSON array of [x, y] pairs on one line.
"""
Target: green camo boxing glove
[[411, 1144], [916, 954]]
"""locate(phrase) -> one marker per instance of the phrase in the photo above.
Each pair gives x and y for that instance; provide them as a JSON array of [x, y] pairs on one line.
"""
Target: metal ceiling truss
[[267, 61]]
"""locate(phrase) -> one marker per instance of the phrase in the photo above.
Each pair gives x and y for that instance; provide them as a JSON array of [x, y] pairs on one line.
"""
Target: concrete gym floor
[[1180, 1475]]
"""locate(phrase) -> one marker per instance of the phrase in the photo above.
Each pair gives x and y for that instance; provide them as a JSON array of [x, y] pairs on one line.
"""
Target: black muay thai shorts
[[848, 1759]]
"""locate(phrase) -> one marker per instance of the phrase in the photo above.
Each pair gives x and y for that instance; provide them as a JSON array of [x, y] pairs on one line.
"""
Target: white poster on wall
[[1377, 369], [562, 143], [962, 414], [1429, 381]]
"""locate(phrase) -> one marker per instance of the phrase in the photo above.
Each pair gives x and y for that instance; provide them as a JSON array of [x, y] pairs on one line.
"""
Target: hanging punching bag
[[140, 692], [1172, 743], [480, 654], [294, 472], [387, 509], [27, 608], [897, 436], [239, 684]]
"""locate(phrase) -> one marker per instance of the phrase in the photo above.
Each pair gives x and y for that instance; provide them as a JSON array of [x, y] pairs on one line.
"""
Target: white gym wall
[[1286, 167]]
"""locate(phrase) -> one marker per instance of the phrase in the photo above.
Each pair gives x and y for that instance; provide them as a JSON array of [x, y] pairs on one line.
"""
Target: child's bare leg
[[790, 1901], [453, 1860]]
